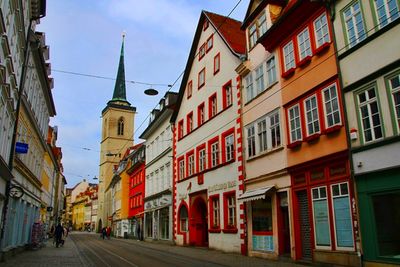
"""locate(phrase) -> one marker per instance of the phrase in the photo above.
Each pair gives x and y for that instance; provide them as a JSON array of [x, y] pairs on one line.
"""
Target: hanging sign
[[21, 148]]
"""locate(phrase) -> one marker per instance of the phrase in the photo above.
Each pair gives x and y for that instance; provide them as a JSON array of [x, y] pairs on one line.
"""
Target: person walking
[[58, 233], [108, 232], [103, 232]]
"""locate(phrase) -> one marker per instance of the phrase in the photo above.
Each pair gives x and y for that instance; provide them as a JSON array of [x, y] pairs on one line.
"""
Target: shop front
[[158, 218]]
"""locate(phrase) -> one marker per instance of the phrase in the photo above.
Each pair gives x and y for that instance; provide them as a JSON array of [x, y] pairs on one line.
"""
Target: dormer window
[[120, 130]]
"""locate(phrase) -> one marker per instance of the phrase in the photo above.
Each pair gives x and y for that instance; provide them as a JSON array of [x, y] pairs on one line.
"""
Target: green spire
[[120, 89]]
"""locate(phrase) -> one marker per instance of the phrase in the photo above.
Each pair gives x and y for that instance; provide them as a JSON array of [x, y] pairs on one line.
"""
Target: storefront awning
[[255, 194]]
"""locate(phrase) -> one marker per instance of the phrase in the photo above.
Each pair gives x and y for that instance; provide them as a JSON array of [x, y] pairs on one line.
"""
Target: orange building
[[317, 154]]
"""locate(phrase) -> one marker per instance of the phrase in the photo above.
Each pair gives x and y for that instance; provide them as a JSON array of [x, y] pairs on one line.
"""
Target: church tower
[[116, 137]]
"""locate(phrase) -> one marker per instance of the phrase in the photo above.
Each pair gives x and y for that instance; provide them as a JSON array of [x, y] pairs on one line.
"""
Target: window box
[[304, 61], [312, 137], [332, 129], [287, 74], [294, 144], [322, 48]]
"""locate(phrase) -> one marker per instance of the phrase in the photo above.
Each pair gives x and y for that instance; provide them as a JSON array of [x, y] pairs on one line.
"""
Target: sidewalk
[[66, 256]]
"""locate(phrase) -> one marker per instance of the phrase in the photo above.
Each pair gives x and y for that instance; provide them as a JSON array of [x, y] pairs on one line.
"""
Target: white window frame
[[249, 87], [229, 147], [321, 32], [271, 70], [202, 159], [385, 7], [394, 91], [297, 117], [214, 154], [202, 77], [313, 214], [181, 164], [252, 35], [314, 119], [231, 206], [304, 44], [262, 135], [333, 213], [368, 103], [228, 94], [260, 78], [351, 18], [216, 212], [251, 141], [289, 60], [262, 24], [330, 102], [191, 164]]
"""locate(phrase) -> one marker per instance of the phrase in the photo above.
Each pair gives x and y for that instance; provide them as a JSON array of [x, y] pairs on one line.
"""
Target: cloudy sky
[[85, 37]]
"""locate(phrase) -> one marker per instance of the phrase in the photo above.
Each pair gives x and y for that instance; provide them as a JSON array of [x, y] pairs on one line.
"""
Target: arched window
[[121, 126], [183, 219]]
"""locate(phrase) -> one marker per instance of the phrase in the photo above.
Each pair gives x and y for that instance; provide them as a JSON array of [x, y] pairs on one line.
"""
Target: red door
[[198, 223]]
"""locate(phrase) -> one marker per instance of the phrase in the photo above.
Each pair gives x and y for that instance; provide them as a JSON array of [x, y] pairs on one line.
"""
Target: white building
[[207, 139], [158, 186]]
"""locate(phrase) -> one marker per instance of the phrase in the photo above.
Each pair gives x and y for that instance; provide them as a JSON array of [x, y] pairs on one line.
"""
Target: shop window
[[387, 220], [149, 224], [321, 217], [342, 216], [183, 219], [262, 233], [164, 223]]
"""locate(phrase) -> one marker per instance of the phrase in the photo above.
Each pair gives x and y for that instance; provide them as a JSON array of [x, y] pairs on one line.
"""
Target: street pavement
[[88, 249]]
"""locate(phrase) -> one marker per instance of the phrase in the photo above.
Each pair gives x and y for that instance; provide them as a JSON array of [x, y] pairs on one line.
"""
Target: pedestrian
[[64, 236], [108, 232], [58, 233], [103, 232]]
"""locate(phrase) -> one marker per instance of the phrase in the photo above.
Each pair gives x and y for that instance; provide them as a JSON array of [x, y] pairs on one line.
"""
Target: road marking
[[97, 255]]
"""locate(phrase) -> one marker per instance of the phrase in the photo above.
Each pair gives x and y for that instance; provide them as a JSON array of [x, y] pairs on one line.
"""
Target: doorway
[[198, 223], [284, 225], [305, 227]]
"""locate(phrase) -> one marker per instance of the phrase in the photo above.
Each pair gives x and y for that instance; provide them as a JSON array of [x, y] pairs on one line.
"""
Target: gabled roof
[[255, 7], [228, 29]]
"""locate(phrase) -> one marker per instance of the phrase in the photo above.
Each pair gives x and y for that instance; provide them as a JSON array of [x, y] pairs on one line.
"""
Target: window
[[183, 219], [394, 85], [312, 117], [321, 30], [214, 154], [121, 126], [321, 217], [354, 24], [229, 147], [304, 44], [149, 224], [201, 156], [262, 25], [229, 210], [210, 41], [215, 212], [288, 56], [200, 114], [262, 135], [202, 51], [181, 165], [386, 11], [205, 25], [342, 215], [251, 141], [260, 79], [202, 78], [275, 130], [190, 164], [331, 104], [249, 87], [189, 121], [252, 35], [180, 129], [271, 71], [295, 124], [227, 94], [369, 113], [217, 63], [189, 89], [212, 102]]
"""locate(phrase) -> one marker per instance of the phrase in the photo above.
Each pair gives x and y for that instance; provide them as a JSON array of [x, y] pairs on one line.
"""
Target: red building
[[136, 173]]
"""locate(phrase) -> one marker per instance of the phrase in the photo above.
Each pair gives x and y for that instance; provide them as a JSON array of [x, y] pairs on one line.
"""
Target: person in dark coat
[[103, 232], [58, 232]]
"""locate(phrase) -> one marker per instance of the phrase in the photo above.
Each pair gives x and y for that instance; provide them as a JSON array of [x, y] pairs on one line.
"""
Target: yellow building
[[78, 211]]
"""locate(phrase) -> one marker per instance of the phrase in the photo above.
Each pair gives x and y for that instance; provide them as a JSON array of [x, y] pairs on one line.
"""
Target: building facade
[[207, 140], [367, 40], [267, 181], [158, 195]]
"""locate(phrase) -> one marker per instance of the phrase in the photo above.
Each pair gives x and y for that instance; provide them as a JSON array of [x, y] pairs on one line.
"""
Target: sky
[[85, 37]]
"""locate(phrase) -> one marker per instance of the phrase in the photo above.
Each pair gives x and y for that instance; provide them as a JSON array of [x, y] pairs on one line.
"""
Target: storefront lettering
[[222, 186]]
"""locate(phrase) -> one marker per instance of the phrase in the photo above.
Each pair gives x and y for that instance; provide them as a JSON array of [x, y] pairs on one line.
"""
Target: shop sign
[[21, 148], [222, 186]]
